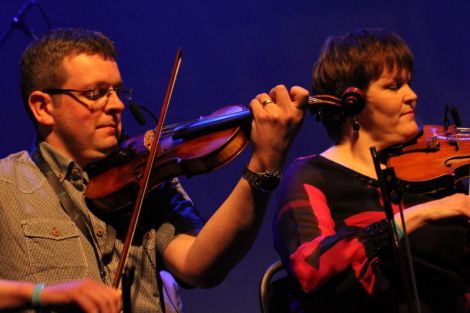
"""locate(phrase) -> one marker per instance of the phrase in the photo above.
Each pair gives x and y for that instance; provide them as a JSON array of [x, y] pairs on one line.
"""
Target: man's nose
[[114, 102]]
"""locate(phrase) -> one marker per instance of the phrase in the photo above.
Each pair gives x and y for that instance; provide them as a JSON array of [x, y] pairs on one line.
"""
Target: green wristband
[[399, 231], [36, 296]]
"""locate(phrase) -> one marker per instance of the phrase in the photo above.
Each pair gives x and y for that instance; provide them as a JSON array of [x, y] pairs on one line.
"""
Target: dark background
[[234, 50]]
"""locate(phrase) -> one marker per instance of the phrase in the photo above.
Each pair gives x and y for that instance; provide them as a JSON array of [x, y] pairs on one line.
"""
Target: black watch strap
[[266, 181]]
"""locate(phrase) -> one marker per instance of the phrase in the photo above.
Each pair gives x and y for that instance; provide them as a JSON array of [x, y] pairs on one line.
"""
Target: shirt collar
[[62, 166]]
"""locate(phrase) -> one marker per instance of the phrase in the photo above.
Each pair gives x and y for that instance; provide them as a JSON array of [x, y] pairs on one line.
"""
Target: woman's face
[[388, 117]]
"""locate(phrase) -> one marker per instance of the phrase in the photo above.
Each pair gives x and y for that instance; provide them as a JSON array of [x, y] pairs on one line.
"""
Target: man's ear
[[41, 107]]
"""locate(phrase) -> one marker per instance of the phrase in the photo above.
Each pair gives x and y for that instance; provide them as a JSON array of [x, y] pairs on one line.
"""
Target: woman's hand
[[456, 205]]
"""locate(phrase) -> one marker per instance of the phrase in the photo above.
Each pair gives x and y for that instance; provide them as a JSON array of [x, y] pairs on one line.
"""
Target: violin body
[[113, 187], [438, 159]]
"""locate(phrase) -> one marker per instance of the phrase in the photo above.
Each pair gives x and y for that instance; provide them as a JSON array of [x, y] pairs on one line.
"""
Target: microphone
[[455, 116], [17, 21], [136, 113], [18, 18], [445, 120]]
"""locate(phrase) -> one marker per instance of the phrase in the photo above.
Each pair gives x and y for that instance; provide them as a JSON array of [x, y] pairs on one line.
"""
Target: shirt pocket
[[54, 249]]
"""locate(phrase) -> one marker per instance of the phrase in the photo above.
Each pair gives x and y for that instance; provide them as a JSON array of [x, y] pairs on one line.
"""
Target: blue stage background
[[232, 51]]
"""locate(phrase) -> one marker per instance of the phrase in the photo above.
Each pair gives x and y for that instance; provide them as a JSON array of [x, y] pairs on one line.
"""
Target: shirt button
[[75, 173], [55, 232], [100, 232]]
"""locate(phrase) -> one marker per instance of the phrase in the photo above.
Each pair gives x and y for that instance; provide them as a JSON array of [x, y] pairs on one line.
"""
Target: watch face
[[265, 181], [269, 180]]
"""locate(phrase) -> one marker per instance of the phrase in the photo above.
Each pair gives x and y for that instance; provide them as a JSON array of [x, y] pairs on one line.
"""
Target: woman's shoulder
[[312, 170], [311, 164]]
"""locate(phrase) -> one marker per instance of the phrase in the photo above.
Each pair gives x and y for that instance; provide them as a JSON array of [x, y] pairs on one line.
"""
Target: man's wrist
[[36, 294]]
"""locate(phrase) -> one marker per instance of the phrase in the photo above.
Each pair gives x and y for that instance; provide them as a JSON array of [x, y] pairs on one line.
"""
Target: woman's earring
[[355, 125]]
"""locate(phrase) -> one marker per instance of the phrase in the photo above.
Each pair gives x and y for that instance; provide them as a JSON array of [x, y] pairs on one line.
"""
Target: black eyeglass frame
[[89, 93]]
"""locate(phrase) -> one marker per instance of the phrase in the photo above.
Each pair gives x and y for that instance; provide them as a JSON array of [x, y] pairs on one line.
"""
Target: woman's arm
[[451, 206]]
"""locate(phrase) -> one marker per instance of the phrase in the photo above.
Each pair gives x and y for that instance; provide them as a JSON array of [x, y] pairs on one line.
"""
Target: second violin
[[439, 158]]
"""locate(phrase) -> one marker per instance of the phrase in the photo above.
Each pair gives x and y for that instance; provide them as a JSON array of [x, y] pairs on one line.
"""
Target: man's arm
[[86, 294], [204, 260]]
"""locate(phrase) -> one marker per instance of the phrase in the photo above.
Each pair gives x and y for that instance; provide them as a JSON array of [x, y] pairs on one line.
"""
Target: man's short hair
[[41, 65]]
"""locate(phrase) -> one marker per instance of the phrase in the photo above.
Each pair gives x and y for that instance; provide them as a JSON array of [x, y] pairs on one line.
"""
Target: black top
[[319, 231]]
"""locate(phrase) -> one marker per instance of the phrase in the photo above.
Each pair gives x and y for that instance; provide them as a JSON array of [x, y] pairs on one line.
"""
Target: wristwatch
[[265, 181]]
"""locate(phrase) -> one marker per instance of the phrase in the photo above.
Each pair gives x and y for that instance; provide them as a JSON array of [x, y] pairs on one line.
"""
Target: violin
[[437, 159], [189, 149]]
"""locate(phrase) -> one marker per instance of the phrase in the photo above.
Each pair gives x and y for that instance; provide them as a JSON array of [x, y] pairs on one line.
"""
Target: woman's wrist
[[413, 217], [399, 230]]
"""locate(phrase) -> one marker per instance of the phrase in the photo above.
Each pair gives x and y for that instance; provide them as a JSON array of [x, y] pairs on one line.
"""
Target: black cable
[[44, 15]]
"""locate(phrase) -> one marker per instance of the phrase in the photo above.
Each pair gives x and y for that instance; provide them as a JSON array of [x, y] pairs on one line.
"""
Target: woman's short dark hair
[[355, 60], [41, 64]]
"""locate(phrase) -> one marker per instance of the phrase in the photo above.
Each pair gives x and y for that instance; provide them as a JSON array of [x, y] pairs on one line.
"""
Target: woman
[[330, 228]]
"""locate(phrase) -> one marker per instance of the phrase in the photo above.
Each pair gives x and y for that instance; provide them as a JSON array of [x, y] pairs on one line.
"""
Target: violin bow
[[143, 184]]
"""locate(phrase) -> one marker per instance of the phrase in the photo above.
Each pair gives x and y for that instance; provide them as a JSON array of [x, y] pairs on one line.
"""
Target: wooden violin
[[188, 149], [437, 159]]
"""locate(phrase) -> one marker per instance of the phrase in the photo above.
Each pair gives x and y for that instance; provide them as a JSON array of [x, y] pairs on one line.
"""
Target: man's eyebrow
[[102, 83]]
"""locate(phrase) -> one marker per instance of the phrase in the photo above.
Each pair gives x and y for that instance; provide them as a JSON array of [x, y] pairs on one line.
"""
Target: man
[[72, 89]]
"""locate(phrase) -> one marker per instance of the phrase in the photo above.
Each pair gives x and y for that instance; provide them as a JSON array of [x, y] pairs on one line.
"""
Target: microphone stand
[[17, 22], [391, 194]]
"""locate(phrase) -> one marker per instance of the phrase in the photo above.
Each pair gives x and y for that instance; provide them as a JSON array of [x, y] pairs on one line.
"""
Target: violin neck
[[212, 123]]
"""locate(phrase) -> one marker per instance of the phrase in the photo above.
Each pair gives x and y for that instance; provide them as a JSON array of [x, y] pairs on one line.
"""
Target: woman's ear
[[41, 107]]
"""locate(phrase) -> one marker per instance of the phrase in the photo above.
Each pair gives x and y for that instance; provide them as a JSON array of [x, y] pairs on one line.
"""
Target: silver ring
[[266, 102]]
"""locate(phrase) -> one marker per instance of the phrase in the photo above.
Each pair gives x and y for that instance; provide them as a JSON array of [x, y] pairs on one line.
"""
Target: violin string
[[171, 127], [462, 134]]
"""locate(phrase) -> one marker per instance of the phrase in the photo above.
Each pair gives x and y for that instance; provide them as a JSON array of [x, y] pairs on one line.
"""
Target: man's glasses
[[97, 97]]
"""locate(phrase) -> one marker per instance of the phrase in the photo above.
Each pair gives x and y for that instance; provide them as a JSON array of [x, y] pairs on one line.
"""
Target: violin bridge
[[433, 143]]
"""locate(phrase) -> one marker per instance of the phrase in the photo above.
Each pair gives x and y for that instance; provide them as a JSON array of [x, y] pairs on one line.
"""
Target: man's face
[[85, 129]]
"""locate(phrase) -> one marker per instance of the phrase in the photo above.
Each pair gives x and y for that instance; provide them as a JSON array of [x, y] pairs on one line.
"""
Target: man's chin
[[109, 144], [102, 152], [107, 150]]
